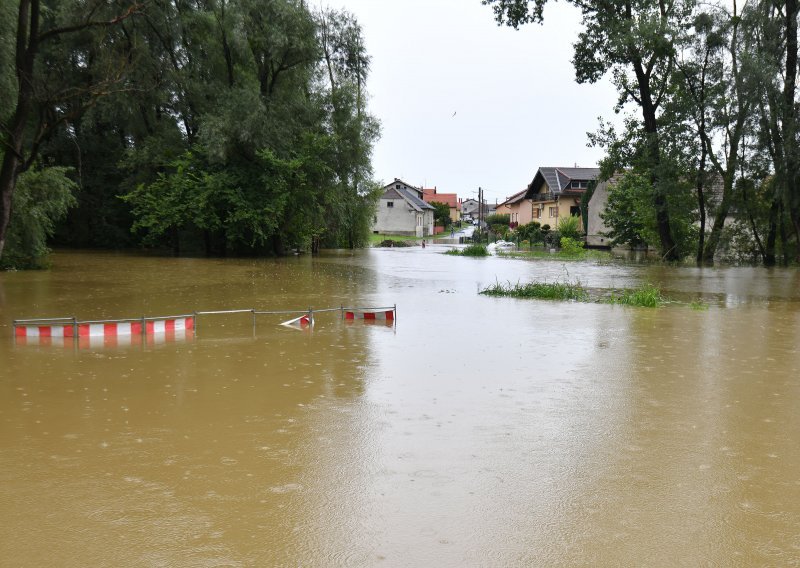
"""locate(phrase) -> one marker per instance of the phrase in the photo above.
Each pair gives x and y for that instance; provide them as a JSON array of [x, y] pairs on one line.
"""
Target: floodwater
[[475, 431]]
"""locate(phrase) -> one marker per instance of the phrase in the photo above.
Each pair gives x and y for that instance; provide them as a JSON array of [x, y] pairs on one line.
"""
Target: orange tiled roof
[[449, 199]]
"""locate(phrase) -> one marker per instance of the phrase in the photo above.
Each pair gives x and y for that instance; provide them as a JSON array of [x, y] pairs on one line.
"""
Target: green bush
[[41, 199], [571, 247], [531, 232], [472, 250], [569, 226]]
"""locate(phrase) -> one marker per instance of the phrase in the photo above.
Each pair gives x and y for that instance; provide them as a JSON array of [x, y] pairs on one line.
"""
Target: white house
[[402, 211]]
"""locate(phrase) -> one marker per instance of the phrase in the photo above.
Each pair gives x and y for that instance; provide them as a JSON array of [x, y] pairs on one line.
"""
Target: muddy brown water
[[475, 432]]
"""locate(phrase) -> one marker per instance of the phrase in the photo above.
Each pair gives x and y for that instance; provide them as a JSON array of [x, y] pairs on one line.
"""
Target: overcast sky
[[465, 103]]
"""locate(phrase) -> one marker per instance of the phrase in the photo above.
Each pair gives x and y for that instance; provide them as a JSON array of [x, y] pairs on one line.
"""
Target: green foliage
[[475, 249], [646, 296], [540, 290], [569, 227], [531, 232], [571, 247], [42, 198], [246, 133], [8, 84], [629, 213], [496, 219], [441, 213]]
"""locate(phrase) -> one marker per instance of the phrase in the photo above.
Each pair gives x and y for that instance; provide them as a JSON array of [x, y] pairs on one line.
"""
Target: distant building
[[402, 211], [469, 208], [450, 199], [511, 208]]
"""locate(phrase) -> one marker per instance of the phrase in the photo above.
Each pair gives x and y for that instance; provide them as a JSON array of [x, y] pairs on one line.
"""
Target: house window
[[397, 186], [554, 211], [580, 184], [390, 204], [536, 212], [419, 220]]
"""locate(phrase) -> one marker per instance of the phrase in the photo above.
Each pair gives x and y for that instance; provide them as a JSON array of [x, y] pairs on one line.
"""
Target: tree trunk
[[701, 203], [668, 247], [27, 45], [769, 250], [789, 121]]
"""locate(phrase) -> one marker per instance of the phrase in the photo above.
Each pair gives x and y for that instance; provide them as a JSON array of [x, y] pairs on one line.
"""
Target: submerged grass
[[646, 296], [540, 290], [472, 250]]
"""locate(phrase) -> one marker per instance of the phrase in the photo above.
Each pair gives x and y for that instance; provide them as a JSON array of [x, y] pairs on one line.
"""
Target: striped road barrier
[[369, 314], [160, 329]]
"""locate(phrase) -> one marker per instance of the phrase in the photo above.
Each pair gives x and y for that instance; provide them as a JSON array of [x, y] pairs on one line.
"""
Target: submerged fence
[[159, 329]]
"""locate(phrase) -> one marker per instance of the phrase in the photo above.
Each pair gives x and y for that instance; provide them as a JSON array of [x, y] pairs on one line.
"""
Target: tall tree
[[717, 97], [43, 101]]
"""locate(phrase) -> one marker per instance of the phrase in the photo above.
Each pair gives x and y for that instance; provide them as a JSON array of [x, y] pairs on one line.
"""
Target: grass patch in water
[[540, 290], [472, 250], [698, 305], [645, 296]]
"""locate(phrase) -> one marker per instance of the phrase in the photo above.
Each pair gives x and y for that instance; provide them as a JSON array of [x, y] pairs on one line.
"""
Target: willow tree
[[636, 42], [50, 38]]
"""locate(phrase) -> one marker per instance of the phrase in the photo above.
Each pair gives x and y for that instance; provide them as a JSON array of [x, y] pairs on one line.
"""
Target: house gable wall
[[397, 215]]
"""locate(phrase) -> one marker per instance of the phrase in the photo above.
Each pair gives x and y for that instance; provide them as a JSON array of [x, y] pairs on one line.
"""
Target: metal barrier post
[[254, 322], [194, 322]]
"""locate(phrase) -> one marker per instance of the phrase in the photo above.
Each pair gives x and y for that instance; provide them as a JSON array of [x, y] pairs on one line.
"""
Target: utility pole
[[480, 213]]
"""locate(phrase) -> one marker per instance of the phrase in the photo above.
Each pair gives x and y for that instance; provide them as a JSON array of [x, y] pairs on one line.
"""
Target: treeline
[[202, 126], [708, 159]]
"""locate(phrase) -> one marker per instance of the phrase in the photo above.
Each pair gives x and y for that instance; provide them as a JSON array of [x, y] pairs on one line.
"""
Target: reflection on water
[[474, 431]]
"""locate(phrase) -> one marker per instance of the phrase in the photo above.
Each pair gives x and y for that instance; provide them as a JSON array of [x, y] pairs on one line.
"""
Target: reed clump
[[646, 296], [475, 249], [539, 290]]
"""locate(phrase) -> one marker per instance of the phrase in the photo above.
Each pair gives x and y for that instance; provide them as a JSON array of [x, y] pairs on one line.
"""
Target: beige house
[[553, 194], [512, 207]]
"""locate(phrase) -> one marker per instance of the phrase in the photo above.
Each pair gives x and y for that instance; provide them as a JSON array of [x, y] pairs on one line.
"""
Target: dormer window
[[397, 186]]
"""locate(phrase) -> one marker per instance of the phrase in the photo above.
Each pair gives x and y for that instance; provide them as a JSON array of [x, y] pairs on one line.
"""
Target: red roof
[[449, 199]]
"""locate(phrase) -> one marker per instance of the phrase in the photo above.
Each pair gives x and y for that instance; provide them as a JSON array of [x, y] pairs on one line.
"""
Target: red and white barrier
[[369, 315], [37, 331], [171, 325], [112, 329]]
